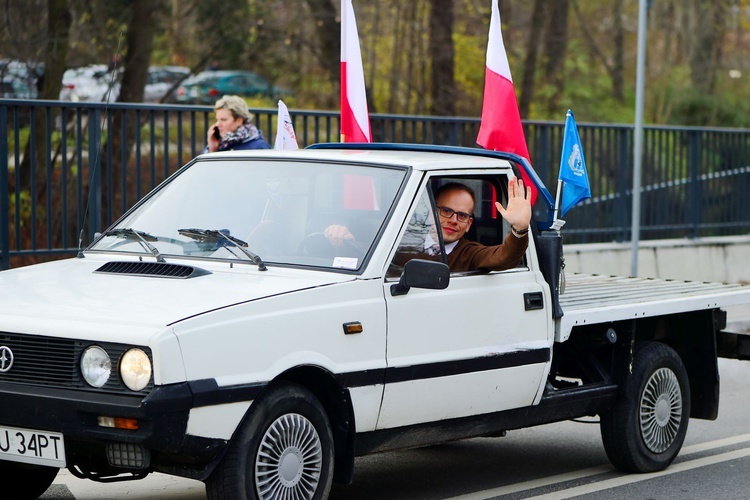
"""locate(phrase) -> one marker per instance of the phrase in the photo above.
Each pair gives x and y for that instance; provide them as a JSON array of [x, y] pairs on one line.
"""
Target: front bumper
[[162, 422]]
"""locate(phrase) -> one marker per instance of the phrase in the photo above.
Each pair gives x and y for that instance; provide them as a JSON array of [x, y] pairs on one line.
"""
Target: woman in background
[[234, 128]]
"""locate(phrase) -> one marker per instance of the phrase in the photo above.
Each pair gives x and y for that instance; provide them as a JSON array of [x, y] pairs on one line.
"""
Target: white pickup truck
[[214, 333]]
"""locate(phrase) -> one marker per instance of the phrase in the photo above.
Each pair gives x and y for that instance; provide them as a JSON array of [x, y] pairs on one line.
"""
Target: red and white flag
[[355, 119], [501, 128]]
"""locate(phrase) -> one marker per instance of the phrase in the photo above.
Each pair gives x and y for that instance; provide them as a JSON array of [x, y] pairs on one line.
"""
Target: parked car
[[19, 80], [13, 88], [206, 87], [161, 81], [90, 83]]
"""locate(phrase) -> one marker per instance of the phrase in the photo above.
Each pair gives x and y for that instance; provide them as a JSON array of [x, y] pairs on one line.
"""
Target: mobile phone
[[217, 134]]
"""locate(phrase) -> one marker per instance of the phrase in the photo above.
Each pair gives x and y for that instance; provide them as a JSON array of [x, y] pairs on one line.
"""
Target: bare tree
[[528, 78], [614, 65], [139, 46], [328, 28], [555, 45], [706, 23], [55, 49], [59, 19], [441, 52], [617, 71]]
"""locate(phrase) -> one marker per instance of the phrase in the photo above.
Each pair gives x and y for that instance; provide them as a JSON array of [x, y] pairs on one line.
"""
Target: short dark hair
[[456, 186]]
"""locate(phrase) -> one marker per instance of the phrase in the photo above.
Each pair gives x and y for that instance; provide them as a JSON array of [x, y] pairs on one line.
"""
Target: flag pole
[[638, 132], [559, 181], [557, 199]]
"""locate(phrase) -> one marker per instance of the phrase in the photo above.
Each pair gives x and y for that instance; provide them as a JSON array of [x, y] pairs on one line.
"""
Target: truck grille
[[54, 362]]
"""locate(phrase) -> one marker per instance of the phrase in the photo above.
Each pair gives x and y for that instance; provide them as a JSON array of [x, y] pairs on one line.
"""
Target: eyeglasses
[[447, 213]]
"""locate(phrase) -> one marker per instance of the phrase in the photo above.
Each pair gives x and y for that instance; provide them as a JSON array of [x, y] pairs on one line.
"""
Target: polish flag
[[355, 120], [501, 128]]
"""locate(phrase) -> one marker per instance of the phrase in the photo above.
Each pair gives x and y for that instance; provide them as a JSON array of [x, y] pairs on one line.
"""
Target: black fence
[[73, 168]]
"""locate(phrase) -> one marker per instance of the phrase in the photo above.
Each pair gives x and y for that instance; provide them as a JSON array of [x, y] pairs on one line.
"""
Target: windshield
[[261, 210]]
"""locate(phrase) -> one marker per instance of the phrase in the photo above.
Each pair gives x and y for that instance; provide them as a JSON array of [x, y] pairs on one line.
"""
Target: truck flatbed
[[593, 298]]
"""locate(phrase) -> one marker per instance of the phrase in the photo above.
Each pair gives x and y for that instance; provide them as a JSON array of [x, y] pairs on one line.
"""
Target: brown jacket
[[470, 255]]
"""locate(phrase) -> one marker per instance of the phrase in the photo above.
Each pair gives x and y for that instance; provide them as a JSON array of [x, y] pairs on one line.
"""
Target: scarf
[[243, 134]]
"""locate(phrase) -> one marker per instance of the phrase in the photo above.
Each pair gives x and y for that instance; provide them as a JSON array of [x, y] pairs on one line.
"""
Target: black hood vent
[[152, 269]]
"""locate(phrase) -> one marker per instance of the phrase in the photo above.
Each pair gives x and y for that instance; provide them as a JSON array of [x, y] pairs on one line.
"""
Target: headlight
[[96, 366], [135, 369]]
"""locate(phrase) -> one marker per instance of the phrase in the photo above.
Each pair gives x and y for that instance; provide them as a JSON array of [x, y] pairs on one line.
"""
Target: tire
[[645, 428], [30, 481], [283, 449]]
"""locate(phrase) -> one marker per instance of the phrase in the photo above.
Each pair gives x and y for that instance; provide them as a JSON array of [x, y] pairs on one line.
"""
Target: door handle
[[533, 300]]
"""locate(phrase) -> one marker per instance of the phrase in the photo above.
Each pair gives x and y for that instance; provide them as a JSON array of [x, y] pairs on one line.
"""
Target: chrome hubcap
[[289, 460], [661, 410]]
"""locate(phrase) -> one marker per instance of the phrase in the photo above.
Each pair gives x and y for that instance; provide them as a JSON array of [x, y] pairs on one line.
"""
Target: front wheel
[[28, 481], [645, 428], [283, 449]]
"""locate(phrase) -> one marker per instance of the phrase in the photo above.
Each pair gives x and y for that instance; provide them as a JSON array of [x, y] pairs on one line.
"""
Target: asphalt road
[[563, 460]]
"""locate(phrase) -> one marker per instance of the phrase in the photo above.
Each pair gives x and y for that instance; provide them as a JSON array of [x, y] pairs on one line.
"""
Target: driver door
[[470, 349]]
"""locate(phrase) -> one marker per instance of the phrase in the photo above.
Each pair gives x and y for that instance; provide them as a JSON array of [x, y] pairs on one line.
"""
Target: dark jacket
[[257, 143], [469, 255]]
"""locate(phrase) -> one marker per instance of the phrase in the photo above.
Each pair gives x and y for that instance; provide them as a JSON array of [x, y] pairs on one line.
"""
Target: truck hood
[[68, 297]]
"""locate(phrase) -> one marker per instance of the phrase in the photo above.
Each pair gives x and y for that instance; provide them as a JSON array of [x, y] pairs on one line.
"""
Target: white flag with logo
[[285, 138]]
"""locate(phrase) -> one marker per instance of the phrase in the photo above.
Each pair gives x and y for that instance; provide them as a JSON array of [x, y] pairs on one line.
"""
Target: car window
[[487, 226], [421, 238], [255, 80], [236, 81], [279, 208]]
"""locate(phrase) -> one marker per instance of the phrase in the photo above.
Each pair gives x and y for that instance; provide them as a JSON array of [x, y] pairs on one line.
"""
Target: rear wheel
[[31, 481], [644, 430], [283, 449]]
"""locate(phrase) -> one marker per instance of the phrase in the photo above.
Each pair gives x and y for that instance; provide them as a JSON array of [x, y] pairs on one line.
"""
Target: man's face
[[457, 200]]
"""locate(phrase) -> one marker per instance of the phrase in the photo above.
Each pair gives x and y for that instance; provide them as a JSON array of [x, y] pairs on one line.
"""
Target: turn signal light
[[129, 424]]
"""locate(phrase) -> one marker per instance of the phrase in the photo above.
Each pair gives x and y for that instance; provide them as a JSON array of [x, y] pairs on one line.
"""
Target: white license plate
[[32, 447]]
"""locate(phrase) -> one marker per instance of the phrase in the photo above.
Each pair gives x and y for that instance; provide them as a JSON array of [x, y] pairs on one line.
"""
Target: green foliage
[[469, 69], [23, 137], [725, 109]]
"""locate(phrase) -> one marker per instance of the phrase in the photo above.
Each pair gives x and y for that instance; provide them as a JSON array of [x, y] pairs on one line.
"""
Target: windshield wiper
[[227, 241], [141, 236]]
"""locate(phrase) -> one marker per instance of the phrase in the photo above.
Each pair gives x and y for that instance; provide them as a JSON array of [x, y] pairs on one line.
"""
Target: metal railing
[[73, 168]]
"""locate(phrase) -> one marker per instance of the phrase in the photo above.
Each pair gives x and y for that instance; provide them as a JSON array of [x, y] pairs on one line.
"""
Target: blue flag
[[573, 172]]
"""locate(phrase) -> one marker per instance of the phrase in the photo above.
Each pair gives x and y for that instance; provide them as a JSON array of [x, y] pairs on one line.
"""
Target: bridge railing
[[71, 169]]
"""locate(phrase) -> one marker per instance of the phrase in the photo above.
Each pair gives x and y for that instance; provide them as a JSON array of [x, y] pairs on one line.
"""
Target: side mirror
[[420, 273]]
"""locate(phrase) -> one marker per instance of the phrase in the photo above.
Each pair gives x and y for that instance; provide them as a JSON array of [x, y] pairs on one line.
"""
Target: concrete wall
[[725, 259]]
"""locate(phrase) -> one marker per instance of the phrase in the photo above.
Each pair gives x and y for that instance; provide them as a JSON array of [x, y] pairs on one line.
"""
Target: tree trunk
[[59, 20], [555, 46], [618, 65], [140, 37], [616, 68], [532, 50], [707, 29], [328, 28], [396, 76], [441, 53]]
